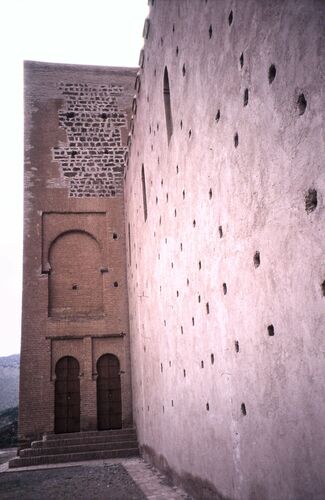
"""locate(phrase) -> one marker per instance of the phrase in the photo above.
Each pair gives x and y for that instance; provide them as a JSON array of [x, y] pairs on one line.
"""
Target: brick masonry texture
[[74, 284]]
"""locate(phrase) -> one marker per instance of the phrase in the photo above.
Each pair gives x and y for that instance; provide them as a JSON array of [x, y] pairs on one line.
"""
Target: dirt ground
[[111, 482]]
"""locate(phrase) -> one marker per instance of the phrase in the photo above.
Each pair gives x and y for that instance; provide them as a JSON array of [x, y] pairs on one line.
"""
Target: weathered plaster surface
[[216, 397]]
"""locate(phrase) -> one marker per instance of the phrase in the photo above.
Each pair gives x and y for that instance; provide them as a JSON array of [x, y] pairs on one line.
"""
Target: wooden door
[[109, 407], [67, 396]]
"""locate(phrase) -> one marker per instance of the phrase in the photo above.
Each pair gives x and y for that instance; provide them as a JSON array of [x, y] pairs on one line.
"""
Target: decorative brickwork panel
[[75, 285], [93, 157]]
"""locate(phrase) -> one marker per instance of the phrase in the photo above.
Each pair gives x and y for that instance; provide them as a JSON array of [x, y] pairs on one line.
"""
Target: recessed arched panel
[[109, 406], [168, 109], [75, 281], [67, 396]]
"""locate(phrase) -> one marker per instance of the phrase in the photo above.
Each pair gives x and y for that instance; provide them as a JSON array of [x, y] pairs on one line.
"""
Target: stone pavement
[[127, 479]]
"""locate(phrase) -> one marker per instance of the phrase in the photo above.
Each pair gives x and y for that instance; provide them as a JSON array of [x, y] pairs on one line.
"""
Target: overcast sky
[[102, 32]]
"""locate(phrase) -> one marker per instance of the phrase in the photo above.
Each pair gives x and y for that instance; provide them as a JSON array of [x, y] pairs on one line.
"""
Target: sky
[[100, 32]]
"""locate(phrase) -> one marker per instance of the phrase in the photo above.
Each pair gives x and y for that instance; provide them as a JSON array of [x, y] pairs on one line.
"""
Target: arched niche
[[75, 277]]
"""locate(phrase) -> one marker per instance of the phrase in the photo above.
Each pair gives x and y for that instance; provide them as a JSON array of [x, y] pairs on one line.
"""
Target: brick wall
[[74, 290]]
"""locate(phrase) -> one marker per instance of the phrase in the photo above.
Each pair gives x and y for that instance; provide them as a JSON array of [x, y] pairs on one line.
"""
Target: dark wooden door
[[109, 407], [67, 396]]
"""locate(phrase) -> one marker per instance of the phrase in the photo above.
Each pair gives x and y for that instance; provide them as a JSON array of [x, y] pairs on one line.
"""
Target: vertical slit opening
[[144, 193], [168, 110], [129, 235]]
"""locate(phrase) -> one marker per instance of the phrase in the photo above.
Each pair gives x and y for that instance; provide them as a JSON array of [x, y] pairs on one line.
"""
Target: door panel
[[67, 396], [109, 407]]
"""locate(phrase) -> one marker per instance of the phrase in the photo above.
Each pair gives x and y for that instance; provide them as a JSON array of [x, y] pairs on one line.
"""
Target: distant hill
[[8, 427], [9, 380]]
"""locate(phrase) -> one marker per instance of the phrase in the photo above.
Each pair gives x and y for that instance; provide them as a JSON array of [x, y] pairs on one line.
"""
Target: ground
[[127, 479], [83, 482]]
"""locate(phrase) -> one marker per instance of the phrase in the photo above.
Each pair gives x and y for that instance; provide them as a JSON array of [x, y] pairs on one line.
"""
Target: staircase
[[78, 446]]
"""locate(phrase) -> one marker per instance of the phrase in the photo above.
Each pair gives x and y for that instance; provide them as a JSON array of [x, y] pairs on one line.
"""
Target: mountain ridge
[[9, 381]]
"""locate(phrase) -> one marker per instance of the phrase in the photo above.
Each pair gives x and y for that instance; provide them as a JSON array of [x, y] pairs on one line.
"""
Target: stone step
[[72, 457], [80, 438], [77, 448], [69, 435]]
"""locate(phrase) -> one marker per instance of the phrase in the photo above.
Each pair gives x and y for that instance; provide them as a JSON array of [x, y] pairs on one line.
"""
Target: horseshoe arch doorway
[[67, 396], [109, 405]]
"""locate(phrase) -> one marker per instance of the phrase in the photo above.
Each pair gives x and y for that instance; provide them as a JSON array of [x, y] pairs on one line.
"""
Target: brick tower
[[75, 366]]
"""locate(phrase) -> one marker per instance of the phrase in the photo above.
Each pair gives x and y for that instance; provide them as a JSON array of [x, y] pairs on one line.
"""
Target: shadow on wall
[[195, 486], [257, 492]]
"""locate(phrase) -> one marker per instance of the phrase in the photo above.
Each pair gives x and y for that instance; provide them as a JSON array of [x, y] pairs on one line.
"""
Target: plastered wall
[[225, 250]]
